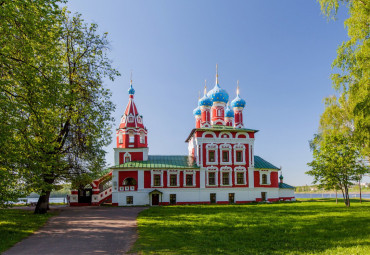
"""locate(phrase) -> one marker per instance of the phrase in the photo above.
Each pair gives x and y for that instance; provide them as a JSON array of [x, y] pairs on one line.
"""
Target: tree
[[28, 31], [336, 163], [54, 82], [353, 63]]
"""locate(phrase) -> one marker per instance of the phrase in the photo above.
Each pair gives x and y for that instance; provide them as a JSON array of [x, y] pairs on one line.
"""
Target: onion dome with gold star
[[238, 102], [217, 94], [229, 113], [205, 100], [197, 111]]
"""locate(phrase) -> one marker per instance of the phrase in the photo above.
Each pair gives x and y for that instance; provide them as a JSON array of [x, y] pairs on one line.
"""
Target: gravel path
[[83, 230]]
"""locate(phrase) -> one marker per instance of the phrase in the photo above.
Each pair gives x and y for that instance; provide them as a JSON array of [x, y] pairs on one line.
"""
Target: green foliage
[[281, 228], [27, 30], [16, 225], [353, 64], [343, 142], [55, 108], [337, 163]]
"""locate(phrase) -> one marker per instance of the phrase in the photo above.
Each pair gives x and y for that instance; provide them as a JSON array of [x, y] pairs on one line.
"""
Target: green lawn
[[310, 227], [17, 224]]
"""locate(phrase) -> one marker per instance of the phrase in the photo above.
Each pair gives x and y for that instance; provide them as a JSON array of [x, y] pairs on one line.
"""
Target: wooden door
[[231, 198], [155, 199], [84, 196], [263, 196], [212, 198]]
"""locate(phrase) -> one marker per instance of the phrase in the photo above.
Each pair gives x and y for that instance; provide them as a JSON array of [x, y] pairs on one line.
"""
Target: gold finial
[[216, 73], [205, 87], [131, 78], [237, 88], [199, 95]]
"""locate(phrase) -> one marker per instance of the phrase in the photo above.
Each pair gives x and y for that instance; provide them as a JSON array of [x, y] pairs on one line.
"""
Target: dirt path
[[83, 230]]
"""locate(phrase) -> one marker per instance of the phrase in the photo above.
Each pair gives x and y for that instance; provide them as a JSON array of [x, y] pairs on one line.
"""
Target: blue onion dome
[[238, 102], [205, 101], [217, 94], [229, 113], [197, 111], [131, 90]]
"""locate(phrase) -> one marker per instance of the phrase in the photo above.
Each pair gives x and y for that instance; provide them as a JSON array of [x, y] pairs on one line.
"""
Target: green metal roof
[[182, 162], [261, 163], [285, 186], [220, 128], [163, 162]]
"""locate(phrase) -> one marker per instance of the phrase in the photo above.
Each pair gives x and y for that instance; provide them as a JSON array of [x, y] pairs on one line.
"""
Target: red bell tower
[[131, 136]]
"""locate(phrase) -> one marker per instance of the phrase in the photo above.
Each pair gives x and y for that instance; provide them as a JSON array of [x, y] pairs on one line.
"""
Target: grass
[[17, 224], [311, 227]]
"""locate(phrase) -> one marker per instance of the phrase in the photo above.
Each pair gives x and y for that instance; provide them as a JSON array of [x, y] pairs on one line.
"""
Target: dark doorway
[[263, 196], [84, 196], [212, 198], [172, 199], [155, 199], [231, 198]]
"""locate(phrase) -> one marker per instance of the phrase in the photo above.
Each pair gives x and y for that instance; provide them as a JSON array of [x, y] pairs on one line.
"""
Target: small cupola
[[238, 105], [281, 177]]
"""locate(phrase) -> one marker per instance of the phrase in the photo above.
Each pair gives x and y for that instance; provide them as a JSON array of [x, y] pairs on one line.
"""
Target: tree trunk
[[348, 202], [359, 185], [43, 203], [343, 194], [336, 196], [346, 196]]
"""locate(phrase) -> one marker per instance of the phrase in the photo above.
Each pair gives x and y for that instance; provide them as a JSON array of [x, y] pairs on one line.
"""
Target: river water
[[35, 199], [329, 195], [297, 195]]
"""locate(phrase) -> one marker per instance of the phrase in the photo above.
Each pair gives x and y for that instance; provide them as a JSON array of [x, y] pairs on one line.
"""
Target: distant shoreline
[[332, 192]]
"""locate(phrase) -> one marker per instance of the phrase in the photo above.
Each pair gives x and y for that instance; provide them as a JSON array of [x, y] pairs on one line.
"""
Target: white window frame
[[173, 172], [189, 172], [142, 137], [240, 170], [228, 135], [120, 138], [225, 169], [239, 147], [225, 147], [212, 170], [268, 174], [132, 200], [219, 112], [212, 147], [129, 136], [130, 118], [126, 155], [155, 172], [139, 120]]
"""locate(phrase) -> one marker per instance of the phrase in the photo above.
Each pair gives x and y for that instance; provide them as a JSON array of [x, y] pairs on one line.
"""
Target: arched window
[[127, 159], [264, 178], [120, 138], [131, 137], [142, 137], [219, 112], [129, 182]]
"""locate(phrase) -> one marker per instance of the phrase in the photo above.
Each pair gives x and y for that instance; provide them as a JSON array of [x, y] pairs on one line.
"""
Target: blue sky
[[280, 51]]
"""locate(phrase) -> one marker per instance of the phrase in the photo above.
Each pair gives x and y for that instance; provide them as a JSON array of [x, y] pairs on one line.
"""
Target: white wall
[[286, 192], [141, 197]]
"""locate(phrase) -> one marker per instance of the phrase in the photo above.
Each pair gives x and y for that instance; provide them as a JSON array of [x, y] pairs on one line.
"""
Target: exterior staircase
[[99, 193]]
